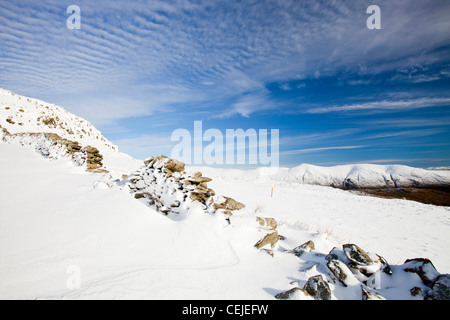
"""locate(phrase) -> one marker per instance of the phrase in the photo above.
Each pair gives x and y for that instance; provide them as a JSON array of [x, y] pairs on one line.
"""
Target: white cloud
[[404, 134], [385, 106], [145, 146], [301, 151], [211, 51]]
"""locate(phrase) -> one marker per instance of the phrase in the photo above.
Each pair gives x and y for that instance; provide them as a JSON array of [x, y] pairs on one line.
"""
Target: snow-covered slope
[[22, 114], [395, 228], [19, 114], [346, 176], [65, 234]]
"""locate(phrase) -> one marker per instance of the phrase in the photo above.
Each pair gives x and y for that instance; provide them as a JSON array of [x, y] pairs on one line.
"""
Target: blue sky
[[338, 92]]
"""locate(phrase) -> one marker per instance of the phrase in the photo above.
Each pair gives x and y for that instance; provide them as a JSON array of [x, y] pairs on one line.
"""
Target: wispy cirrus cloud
[[226, 49], [302, 151], [146, 145], [409, 122], [163, 64], [409, 134], [400, 160], [384, 106]]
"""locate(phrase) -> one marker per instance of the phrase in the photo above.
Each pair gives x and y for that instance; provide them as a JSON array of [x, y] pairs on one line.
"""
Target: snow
[[344, 176], [123, 248], [54, 215], [55, 218], [19, 114], [396, 229]]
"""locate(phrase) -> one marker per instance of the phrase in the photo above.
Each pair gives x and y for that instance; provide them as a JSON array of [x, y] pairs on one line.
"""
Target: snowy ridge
[[21, 115], [345, 176]]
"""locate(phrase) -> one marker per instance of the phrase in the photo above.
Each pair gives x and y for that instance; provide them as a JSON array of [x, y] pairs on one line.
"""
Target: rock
[[99, 171], [367, 295], [72, 146], [139, 195], [290, 294], [337, 254], [151, 161], [229, 204], [93, 157], [318, 288], [227, 214], [349, 184], [300, 250], [197, 178], [165, 162], [233, 204], [267, 223], [269, 239], [416, 291], [168, 173], [174, 165], [332, 254], [91, 166], [341, 272], [440, 289], [357, 255], [91, 150], [385, 267], [424, 269], [268, 251], [218, 206], [176, 204], [163, 210], [202, 190], [201, 197]]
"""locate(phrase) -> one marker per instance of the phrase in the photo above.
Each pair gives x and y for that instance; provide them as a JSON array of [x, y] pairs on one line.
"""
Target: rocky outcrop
[[266, 223], [229, 204], [51, 145], [416, 291], [356, 255], [27, 115], [368, 295], [170, 165], [93, 158], [269, 239], [423, 268], [291, 293], [341, 272], [300, 250], [318, 287], [440, 288], [269, 227], [366, 275], [164, 184]]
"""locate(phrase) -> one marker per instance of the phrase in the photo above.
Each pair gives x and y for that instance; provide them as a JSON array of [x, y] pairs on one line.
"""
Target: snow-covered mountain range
[[349, 176], [160, 230]]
